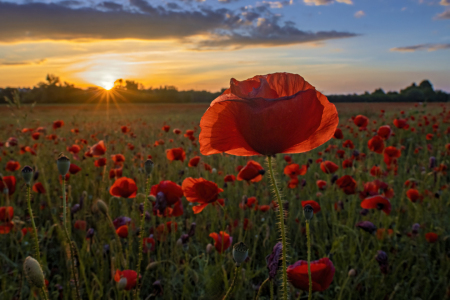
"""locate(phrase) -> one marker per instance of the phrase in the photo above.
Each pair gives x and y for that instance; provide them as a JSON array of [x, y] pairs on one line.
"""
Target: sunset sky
[[339, 46]]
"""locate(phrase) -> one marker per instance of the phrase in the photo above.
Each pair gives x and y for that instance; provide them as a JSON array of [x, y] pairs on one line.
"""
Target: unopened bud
[[33, 272], [63, 163], [209, 248], [352, 273], [27, 174], [100, 206]]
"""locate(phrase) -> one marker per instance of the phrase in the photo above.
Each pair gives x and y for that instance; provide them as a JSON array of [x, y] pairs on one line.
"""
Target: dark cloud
[[22, 63], [429, 47], [70, 3], [227, 1], [245, 27], [443, 16]]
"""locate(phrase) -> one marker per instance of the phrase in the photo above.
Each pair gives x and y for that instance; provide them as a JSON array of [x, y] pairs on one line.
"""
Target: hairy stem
[[232, 284], [141, 235], [260, 288], [36, 241], [282, 229], [44, 293], [308, 237]]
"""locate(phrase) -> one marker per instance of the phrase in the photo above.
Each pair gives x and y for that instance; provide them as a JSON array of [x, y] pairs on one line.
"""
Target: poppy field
[[183, 201]]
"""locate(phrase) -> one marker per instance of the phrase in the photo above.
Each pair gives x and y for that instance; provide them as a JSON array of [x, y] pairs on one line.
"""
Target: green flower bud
[[100, 206], [63, 163], [33, 272], [27, 174]]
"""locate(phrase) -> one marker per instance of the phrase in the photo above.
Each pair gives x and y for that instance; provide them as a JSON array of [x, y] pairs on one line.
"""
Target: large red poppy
[[176, 154], [222, 241], [129, 275], [376, 144], [379, 202], [8, 182], [201, 191], [172, 191], [347, 184], [124, 187], [322, 273], [253, 172], [274, 113], [328, 167]]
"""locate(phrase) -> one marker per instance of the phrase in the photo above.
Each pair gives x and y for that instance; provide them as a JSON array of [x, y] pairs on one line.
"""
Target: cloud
[[277, 4], [360, 14], [444, 2], [22, 63], [429, 47], [199, 28], [442, 16], [326, 2]]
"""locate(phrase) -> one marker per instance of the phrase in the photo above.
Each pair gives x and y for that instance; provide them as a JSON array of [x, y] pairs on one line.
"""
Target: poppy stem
[[271, 290], [282, 229], [260, 288], [232, 284], [141, 235], [308, 237], [72, 257], [36, 240], [44, 293]]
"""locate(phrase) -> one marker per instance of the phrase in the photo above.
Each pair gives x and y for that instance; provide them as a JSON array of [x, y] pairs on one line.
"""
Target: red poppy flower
[[38, 188], [328, 167], [348, 144], [201, 191], [74, 169], [431, 237], [12, 166], [129, 276], [148, 244], [229, 178], [274, 113], [166, 128], [115, 173], [251, 172], [193, 162], [172, 191], [264, 208], [379, 202], [401, 123], [80, 225], [118, 158], [176, 154], [125, 129], [322, 273], [100, 162], [74, 149], [5, 228], [98, 149], [391, 154], [375, 171], [58, 124], [35, 136], [384, 132], [429, 137], [348, 163], [124, 187], [288, 158], [6, 213], [8, 182], [361, 121], [347, 184], [293, 182], [207, 167], [122, 231], [222, 241], [413, 195], [189, 133], [293, 170], [321, 184], [338, 134], [376, 144], [314, 205]]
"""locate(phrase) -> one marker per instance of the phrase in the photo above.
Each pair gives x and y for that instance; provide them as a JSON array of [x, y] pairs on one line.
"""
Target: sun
[[107, 85]]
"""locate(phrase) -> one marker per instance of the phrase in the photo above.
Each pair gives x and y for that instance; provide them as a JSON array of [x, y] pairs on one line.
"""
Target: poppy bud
[[367, 226], [63, 164], [75, 209], [27, 174], [240, 253], [209, 248], [33, 272], [382, 260], [148, 166], [352, 273], [432, 162], [161, 203], [415, 228], [308, 212], [191, 232], [152, 265], [90, 233], [364, 212], [100, 206]]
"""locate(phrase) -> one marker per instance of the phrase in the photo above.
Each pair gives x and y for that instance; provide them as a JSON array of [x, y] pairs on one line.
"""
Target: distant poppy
[[74, 149], [361, 121], [338, 134], [264, 208], [293, 182], [274, 113], [431, 237], [321, 184], [12, 166], [176, 154], [35, 136], [129, 276], [295, 170], [202, 191], [166, 128], [58, 124], [229, 178], [391, 154], [253, 172], [193, 162], [314, 205], [347, 163], [381, 232], [38, 188], [115, 173], [177, 131], [328, 167], [80, 225], [100, 162], [375, 171], [74, 169], [429, 137], [288, 158], [122, 231], [6, 213], [8, 182], [401, 124], [172, 191], [322, 273], [378, 202], [413, 195], [124, 187], [118, 158], [5, 228], [125, 129], [98, 149], [347, 184], [207, 167], [348, 144], [148, 244], [222, 241], [189, 133], [376, 144], [384, 132]]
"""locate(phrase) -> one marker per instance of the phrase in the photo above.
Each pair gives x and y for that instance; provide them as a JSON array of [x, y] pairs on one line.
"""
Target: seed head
[[308, 212], [240, 253], [148, 166], [27, 174], [63, 163], [33, 272]]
